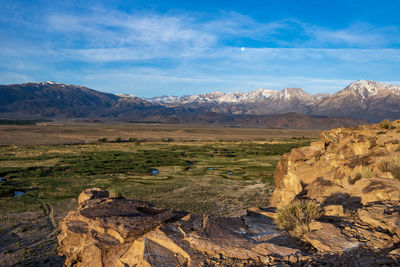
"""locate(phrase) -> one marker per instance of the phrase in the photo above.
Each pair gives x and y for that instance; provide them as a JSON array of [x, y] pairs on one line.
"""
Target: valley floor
[[208, 170]]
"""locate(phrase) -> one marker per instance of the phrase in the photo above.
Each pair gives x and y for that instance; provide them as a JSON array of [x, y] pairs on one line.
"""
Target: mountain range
[[359, 102], [368, 100]]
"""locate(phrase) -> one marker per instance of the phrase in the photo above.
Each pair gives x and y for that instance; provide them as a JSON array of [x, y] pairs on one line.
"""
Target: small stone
[[334, 210], [92, 193], [384, 261], [395, 252], [292, 258], [266, 259], [315, 225], [328, 238]]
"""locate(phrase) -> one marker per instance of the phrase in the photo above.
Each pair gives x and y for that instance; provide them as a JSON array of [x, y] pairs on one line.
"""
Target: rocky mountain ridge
[[353, 174], [237, 97], [56, 101], [368, 100]]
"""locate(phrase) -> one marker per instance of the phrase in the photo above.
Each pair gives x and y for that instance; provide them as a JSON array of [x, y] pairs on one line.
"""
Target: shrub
[[367, 173], [135, 140], [391, 165], [102, 140], [355, 179], [384, 165], [396, 171], [386, 124], [395, 167], [115, 192], [297, 215]]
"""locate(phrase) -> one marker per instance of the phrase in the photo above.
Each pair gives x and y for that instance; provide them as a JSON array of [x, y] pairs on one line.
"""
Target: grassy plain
[[79, 132], [213, 170]]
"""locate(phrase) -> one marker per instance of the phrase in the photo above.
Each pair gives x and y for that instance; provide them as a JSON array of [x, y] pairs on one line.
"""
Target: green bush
[[297, 215]]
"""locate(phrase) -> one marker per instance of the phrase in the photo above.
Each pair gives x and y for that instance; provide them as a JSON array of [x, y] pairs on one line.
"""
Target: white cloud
[[113, 30], [357, 35], [108, 49]]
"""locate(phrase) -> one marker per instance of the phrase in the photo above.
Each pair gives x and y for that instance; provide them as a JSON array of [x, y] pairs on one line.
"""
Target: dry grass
[[386, 124], [367, 173], [297, 215], [391, 165], [68, 133]]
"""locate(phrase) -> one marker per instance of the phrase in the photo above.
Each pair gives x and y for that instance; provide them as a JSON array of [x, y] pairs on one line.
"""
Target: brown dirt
[[67, 133]]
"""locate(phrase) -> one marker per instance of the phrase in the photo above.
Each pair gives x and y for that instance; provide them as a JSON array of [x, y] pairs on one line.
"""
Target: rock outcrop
[[119, 232], [352, 173], [349, 166]]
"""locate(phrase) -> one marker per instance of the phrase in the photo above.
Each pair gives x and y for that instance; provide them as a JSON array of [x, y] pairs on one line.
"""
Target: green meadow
[[220, 177]]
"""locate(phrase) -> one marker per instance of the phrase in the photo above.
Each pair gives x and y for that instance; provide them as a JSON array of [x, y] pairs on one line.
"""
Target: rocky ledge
[[352, 173], [121, 232]]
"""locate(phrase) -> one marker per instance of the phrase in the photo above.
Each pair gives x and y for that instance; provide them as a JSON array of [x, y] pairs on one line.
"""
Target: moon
[[242, 49]]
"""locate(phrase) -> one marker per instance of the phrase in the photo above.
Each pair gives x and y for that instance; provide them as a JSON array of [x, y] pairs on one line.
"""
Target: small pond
[[19, 193], [154, 172]]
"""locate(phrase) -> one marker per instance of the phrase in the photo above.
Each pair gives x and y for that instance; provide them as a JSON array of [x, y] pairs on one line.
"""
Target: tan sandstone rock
[[351, 173], [355, 177], [327, 238], [383, 215], [334, 210], [92, 193], [122, 232]]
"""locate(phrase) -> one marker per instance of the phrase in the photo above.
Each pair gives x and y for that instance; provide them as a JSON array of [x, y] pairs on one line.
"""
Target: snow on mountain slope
[[260, 95], [366, 89], [369, 100]]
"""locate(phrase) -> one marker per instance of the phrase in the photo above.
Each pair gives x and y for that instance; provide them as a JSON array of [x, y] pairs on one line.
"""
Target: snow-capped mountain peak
[[48, 82], [126, 95], [366, 89], [259, 95]]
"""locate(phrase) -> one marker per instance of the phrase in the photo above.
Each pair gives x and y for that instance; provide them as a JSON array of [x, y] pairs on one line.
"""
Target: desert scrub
[[391, 165], [367, 173], [297, 215], [386, 124], [115, 192]]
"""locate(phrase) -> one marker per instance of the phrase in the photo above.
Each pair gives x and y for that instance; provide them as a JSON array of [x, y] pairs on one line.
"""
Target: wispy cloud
[[113, 50], [357, 35], [117, 29], [114, 36]]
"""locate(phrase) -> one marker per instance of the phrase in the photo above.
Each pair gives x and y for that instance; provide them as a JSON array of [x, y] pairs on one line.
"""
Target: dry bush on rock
[[297, 215], [386, 124]]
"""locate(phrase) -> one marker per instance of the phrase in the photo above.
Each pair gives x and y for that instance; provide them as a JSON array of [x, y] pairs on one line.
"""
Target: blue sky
[[151, 48]]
